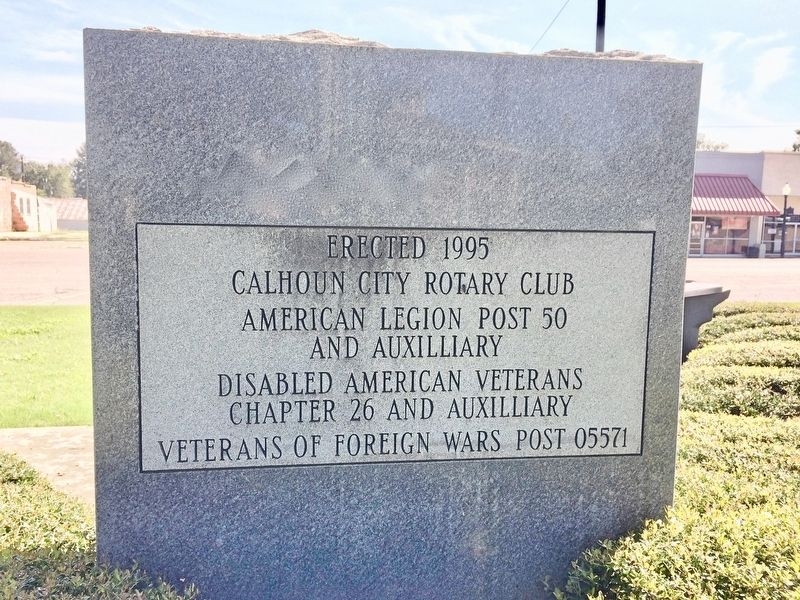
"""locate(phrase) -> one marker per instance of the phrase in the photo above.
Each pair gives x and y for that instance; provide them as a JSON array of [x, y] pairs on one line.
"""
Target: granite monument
[[381, 323]]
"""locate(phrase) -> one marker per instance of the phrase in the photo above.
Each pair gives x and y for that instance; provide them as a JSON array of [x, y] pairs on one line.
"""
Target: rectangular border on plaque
[[638, 452]]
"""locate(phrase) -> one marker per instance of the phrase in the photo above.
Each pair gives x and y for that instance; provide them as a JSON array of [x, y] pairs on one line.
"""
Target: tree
[[50, 180], [796, 145], [9, 160], [78, 172], [704, 143]]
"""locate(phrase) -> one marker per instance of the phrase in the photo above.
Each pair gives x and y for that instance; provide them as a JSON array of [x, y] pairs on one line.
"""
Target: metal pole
[[783, 228], [601, 26]]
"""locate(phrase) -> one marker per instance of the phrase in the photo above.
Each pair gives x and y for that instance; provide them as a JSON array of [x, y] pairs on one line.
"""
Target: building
[[21, 209], [725, 207], [6, 209], [73, 214], [728, 214]]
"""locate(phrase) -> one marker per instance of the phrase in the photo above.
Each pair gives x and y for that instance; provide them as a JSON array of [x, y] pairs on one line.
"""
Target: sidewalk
[[65, 455], [758, 279], [44, 272]]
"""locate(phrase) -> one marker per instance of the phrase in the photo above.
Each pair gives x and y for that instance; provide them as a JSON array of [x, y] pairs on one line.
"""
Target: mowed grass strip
[[45, 366]]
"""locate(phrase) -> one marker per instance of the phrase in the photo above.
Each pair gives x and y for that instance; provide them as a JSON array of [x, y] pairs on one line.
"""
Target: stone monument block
[[381, 323]]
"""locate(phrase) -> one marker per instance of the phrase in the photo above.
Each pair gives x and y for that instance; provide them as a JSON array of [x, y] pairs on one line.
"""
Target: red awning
[[729, 195]]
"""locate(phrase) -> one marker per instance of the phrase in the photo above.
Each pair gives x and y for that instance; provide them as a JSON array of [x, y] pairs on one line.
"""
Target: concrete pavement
[[44, 272], [759, 279]]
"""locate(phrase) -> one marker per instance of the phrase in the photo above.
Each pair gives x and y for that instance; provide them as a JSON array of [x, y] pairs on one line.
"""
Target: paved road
[[44, 272], [762, 279]]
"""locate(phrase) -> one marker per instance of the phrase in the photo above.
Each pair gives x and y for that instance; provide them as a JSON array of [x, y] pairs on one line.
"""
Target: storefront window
[[773, 234], [726, 235]]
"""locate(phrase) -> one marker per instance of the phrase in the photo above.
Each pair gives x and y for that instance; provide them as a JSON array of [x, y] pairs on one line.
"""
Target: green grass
[[45, 366], [47, 546]]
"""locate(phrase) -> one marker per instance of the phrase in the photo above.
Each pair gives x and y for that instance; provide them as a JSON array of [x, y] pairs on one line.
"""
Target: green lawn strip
[[47, 546], [45, 366], [733, 531]]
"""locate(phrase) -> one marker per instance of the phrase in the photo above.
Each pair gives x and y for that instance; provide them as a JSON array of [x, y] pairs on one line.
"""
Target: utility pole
[[601, 26]]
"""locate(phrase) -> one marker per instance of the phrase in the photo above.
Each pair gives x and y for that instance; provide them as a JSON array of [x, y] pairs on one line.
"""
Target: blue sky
[[750, 49]]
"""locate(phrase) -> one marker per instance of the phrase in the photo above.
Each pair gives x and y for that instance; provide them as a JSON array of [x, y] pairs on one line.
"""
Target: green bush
[[47, 546], [723, 325], [756, 354], [733, 532], [789, 333], [742, 390], [727, 309]]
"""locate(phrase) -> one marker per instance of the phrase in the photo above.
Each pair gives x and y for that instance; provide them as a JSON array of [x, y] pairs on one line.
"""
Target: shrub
[[750, 391], [757, 354], [723, 325], [47, 546], [733, 531], [727, 309], [762, 334]]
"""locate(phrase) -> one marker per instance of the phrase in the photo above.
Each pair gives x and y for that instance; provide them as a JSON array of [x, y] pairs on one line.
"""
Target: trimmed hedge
[[47, 546], [733, 532], [749, 391], [727, 309], [756, 354], [762, 334], [749, 363], [723, 325]]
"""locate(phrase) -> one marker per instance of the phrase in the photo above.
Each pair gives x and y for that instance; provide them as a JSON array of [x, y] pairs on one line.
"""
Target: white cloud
[[43, 141], [725, 39], [752, 139], [771, 66], [64, 5], [740, 79], [42, 89], [60, 45], [458, 32], [761, 40], [667, 42]]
